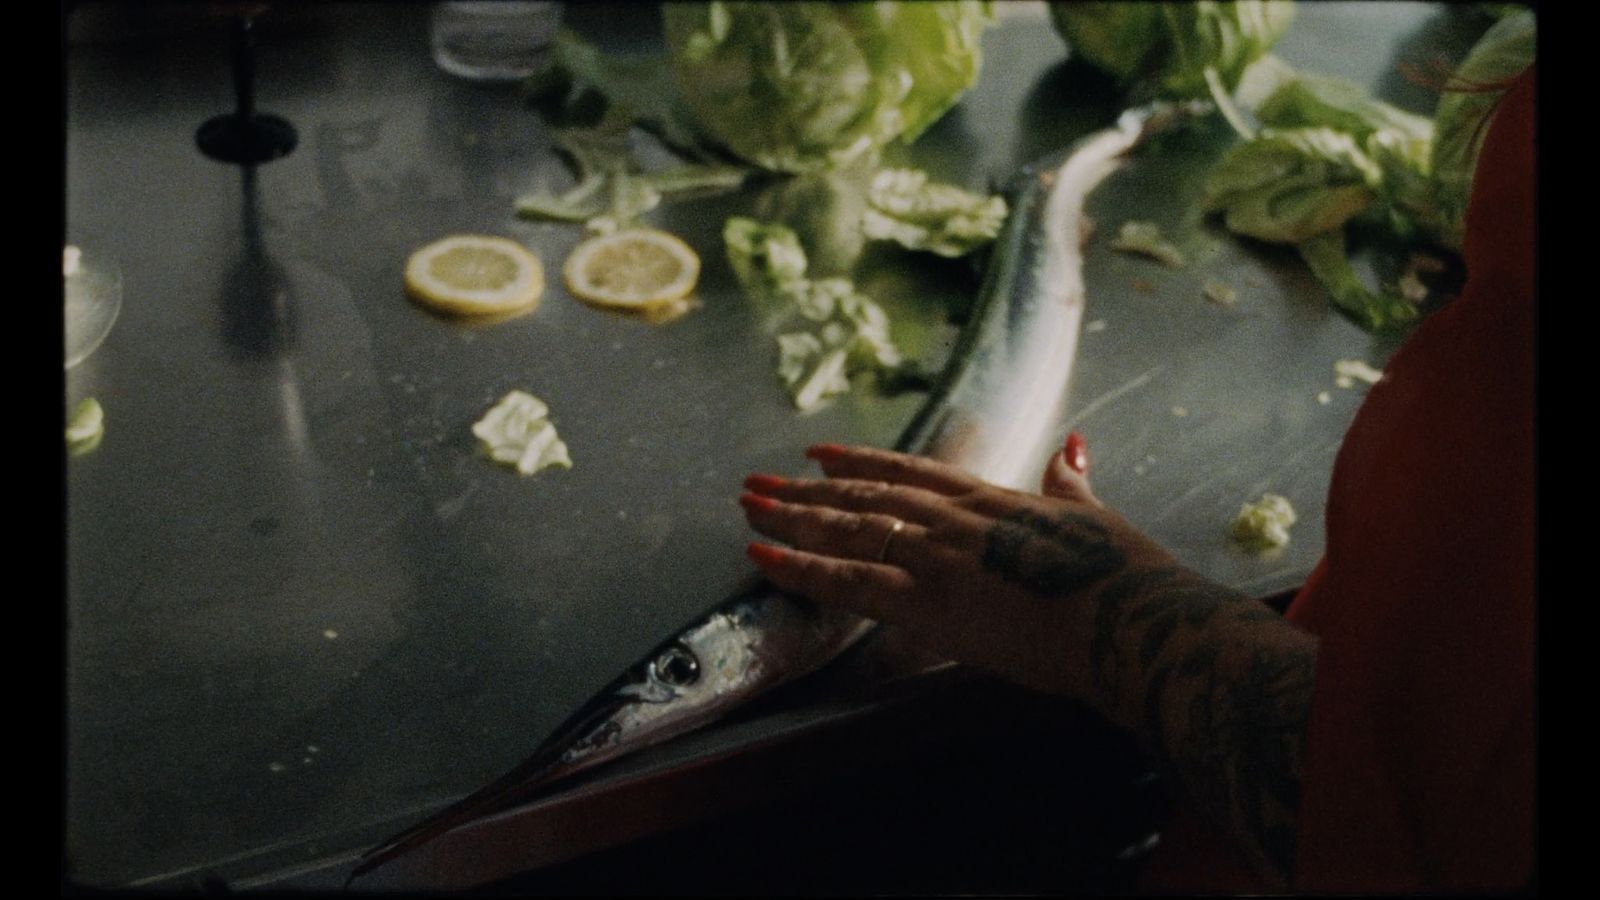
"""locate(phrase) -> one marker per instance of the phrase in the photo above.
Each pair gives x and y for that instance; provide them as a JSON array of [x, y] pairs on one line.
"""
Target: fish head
[[691, 680]]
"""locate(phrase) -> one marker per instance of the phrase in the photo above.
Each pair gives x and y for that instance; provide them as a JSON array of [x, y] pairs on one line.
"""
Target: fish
[[743, 649], [990, 414]]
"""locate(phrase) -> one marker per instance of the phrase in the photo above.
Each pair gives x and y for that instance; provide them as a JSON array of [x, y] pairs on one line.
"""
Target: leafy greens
[[799, 87]]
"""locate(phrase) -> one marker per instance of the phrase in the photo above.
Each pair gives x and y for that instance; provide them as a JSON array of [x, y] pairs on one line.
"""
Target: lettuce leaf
[[839, 332], [805, 86], [903, 206], [1166, 48], [1291, 185], [1460, 120]]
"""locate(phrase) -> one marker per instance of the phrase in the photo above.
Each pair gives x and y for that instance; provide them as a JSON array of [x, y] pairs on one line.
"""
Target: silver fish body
[[991, 414]]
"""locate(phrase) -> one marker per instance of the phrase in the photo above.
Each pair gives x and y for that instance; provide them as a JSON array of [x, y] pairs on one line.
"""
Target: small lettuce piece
[[813, 373], [1373, 310], [1167, 47], [845, 333], [1263, 525], [87, 427], [805, 86], [1145, 238], [1347, 372], [1291, 185], [903, 206], [817, 366], [517, 431], [1460, 121], [765, 258]]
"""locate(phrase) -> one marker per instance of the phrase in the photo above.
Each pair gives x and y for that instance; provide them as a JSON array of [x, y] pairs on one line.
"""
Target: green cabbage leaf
[[805, 86], [1166, 48]]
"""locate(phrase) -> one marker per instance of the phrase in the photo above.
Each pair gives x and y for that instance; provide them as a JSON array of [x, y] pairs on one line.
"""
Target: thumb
[[1065, 475]]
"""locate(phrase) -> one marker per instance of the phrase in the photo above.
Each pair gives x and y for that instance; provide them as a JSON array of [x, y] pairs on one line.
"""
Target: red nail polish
[[764, 484], [766, 554], [824, 452], [1077, 453], [757, 503]]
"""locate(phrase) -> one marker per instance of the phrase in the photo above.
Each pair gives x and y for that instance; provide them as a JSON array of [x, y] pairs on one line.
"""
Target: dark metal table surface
[[303, 611]]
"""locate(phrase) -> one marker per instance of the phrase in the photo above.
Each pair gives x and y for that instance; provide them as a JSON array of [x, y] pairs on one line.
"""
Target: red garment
[[1419, 770]]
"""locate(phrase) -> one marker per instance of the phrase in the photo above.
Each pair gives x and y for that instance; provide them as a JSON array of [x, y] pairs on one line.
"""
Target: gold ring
[[883, 555]]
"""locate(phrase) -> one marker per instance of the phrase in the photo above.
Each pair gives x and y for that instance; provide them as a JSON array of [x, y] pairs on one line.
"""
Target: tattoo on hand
[[1051, 557]]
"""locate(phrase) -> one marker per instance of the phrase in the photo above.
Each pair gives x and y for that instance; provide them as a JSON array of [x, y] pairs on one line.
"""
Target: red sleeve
[[1420, 753]]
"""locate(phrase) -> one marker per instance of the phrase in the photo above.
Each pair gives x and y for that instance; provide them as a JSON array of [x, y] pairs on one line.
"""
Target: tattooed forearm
[[1221, 689], [1218, 685], [1052, 557]]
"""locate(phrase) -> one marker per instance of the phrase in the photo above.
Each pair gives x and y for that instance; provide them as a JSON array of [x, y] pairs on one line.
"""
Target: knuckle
[[853, 576]]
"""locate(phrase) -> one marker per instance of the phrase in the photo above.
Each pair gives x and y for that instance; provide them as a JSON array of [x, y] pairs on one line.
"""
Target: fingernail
[[1076, 453], [764, 484], [757, 503], [824, 452], [766, 554]]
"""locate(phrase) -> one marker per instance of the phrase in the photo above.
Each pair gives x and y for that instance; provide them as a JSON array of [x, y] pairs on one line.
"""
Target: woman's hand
[[1057, 592], [995, 578]]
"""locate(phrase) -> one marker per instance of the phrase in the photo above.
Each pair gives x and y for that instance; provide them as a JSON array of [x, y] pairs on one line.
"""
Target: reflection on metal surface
[[258, 314]]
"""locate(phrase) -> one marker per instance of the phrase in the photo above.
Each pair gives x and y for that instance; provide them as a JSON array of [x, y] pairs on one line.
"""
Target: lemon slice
[[475, 275], [636, 269]]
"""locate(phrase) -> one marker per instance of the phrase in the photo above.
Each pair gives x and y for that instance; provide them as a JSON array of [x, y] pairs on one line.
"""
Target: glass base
[[236, 139]]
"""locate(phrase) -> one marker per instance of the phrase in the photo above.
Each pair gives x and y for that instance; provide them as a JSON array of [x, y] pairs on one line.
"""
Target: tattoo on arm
[[1227, 719]]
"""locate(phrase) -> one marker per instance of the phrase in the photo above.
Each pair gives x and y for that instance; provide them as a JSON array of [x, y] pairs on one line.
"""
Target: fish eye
[[676, 666]]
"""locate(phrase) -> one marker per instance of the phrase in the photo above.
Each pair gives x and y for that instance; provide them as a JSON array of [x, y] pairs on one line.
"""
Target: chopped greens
[[904, 207], [86, 428], [1373, 310], [517, 432], [837, 331], [1145, 238], [1263, 525], [767, 259], [1329, 156]]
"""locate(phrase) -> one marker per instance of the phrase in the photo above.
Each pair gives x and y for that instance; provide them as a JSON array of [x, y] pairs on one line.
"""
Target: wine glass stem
[[244, 66]]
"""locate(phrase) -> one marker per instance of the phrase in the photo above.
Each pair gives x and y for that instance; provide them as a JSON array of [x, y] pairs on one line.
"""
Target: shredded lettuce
[[804, 86], [1145, 238], [765, 258], [1263, 525], [903, 206], [838, 331], [517, 432]]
